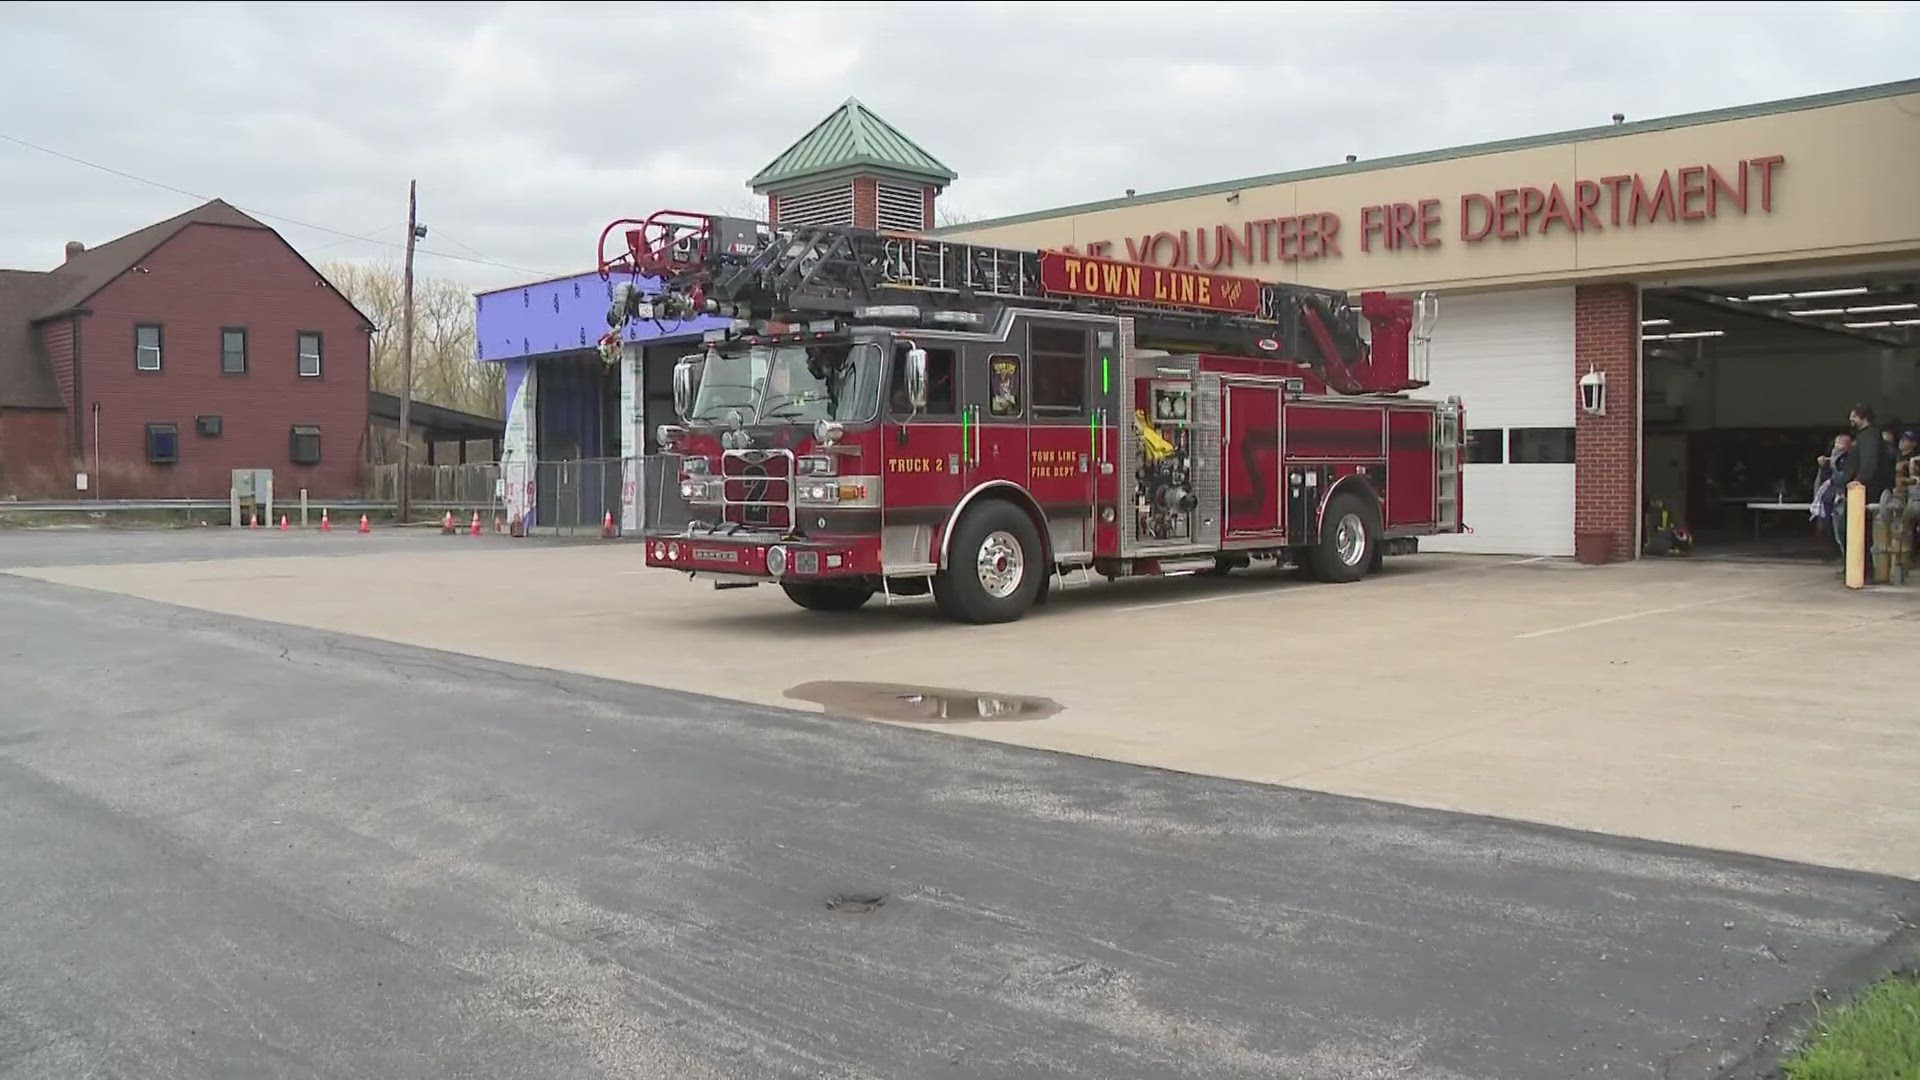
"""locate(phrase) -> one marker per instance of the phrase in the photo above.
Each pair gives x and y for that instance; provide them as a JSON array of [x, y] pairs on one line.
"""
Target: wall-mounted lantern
[[1593, 392]]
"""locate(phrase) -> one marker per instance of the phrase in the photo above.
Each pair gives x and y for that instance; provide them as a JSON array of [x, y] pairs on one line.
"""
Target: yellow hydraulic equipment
[[1152, 442]]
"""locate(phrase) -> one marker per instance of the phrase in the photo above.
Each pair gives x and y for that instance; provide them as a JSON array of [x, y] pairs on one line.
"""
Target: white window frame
[[141, 351], [301, 354]]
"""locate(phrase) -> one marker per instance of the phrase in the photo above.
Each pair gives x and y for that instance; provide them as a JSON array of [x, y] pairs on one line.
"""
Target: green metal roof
[[1609, 131], [852, 136]]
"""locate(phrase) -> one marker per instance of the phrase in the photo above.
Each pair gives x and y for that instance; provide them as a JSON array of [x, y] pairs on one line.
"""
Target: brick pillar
[[1606, 337], [927, 195], [866, 202], [773, 209]]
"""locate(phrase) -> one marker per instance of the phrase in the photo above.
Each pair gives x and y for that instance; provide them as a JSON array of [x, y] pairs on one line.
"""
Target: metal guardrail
[[80, 506]]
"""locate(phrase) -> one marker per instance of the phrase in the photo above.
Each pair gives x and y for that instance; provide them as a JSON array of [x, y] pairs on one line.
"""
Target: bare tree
[[946, 216], [751, 207], [444, 370]]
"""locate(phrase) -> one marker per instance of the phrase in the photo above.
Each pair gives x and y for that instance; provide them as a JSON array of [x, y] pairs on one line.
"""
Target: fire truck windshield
[[792, 383]]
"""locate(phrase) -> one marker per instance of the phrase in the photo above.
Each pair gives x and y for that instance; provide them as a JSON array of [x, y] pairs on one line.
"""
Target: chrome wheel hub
[[1350, 540], [1000, 564]]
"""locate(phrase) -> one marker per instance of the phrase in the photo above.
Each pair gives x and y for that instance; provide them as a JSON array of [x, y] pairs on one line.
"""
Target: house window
[[233, 350], [163, 443], [1486, 446], [146, 347], [1059, 361], [305, 448], [309, 354], [1540, 446], [208, 426]]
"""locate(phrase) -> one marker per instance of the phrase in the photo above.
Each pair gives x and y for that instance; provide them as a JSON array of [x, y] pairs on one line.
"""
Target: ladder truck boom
[[709, 265]]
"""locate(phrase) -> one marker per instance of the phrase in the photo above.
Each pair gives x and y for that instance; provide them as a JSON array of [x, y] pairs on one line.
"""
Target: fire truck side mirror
[[686, 379], [917, 378]]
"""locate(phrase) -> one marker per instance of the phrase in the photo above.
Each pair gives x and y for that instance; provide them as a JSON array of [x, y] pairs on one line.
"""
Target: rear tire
[[817, 596], [994, 566], [1349, 537]]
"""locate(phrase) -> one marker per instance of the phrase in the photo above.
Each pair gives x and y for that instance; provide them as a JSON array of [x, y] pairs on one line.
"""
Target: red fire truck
[[897, 414]]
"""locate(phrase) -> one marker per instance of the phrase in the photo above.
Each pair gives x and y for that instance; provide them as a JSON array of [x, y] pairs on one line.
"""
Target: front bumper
[[749, 555]]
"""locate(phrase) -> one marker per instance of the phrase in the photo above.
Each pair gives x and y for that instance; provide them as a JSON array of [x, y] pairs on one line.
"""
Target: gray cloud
[[530, 126]]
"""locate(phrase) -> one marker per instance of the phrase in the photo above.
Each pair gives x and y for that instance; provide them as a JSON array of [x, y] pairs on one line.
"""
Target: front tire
[[815, 596], [1349, 538], [994, 566]]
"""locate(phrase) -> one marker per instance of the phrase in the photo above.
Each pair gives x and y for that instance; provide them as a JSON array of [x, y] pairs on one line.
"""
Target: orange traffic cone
[[606, 527], [364, 527], [325, 525], [283, 523], [446, 524], [474, 529], [256, 520]]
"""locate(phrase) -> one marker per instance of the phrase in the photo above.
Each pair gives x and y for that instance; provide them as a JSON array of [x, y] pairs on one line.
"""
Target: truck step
[[1186, 566]]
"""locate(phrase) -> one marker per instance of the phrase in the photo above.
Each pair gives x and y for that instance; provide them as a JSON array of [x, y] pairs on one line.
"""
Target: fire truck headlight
[[690, 490], [776, 560], [817, 465], [693, 466]]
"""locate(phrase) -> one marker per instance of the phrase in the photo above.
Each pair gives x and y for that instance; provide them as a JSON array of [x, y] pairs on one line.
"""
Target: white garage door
[[1509, 358]]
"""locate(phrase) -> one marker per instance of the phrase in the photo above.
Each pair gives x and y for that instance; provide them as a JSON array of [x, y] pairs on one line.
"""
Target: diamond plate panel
[[1207, 480]]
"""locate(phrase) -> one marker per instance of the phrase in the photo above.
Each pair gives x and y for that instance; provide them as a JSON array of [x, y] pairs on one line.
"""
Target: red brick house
[[163, 360]]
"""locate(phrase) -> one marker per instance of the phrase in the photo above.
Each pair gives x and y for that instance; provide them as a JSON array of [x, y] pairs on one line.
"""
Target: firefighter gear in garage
[[896, 415]]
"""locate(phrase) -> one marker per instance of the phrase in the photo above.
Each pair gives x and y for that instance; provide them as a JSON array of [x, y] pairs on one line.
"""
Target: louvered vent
[[901, 209], [821, 206]]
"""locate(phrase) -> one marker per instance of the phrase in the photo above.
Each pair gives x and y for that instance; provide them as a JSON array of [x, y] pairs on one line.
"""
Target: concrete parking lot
[[1740, 707]]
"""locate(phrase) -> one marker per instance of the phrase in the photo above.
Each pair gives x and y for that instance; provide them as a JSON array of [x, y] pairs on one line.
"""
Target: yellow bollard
[[1856, 535]]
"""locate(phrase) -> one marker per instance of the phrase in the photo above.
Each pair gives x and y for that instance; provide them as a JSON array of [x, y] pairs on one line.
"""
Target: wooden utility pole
[[404, 489]]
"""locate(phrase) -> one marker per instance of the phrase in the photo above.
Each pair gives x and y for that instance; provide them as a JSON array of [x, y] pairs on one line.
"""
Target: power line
[[263, 213]]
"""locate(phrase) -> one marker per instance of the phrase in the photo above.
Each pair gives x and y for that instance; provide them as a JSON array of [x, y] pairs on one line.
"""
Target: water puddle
[[922, 704]]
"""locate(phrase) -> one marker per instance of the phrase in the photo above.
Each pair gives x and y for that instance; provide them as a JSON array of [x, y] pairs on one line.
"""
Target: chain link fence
[[472, 484]]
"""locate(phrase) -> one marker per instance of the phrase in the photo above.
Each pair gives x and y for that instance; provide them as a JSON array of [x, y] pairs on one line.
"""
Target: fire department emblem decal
[[1267, 344]]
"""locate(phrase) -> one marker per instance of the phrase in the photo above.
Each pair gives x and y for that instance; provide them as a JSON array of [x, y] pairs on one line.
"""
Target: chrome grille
[[756, 488]]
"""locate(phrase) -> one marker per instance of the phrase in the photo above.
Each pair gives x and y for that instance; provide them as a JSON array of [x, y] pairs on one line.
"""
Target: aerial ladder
[[680, 265]]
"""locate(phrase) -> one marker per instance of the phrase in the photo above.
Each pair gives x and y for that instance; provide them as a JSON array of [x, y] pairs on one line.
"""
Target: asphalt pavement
[[239, 849]]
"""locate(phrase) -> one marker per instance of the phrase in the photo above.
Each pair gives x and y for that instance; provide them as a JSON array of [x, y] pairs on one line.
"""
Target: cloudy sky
[[530, 126]]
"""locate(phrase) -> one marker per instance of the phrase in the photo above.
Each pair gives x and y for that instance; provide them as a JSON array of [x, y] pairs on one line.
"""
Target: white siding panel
[[1509, 358]]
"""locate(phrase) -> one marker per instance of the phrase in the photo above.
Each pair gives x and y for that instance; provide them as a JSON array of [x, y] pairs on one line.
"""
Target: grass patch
[[1876, 1036]]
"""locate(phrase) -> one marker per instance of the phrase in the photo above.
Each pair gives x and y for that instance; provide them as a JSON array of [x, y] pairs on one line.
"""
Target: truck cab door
[[995, 422], [1062, 432], [924, 470]]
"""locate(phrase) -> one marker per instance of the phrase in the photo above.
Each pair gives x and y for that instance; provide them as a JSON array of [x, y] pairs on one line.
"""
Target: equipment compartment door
[[1256, 505], [1061, 432]]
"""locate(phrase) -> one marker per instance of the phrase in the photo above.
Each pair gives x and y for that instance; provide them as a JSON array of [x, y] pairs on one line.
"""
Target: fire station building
[[1726, 284]]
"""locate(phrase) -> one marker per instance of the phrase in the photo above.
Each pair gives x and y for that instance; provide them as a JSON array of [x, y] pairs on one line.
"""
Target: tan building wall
[[1822, 182]]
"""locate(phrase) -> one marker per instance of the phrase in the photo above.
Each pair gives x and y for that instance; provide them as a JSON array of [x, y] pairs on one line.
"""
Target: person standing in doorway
[[1826, 488], [1862, 465]]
